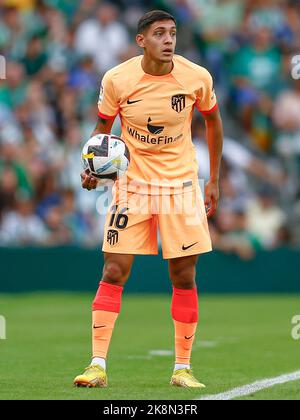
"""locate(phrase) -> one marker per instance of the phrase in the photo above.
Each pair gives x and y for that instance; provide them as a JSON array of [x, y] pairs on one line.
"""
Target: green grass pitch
[[240, 339]]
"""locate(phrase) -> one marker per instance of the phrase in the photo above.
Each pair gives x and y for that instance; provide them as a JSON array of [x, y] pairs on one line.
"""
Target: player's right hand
[[88, 182], [211, 198]]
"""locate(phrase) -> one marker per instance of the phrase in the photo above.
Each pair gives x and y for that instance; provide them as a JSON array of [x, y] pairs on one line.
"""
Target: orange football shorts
[[133, 221]]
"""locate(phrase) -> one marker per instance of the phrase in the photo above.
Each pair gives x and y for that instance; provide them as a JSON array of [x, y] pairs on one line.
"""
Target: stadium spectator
[[58, 232], [231, 234], [22, 226], [103, 38], [286, 117], [13, 91], [265, 218], [255, 74], [35, 58]]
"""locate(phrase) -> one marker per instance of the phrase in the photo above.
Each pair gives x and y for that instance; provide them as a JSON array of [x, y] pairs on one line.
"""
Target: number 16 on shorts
[[119, 221]]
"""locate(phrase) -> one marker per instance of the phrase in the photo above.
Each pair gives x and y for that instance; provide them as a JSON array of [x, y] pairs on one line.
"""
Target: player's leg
[[184, 307], [127, 232], [106, 308], [184, 236], [107, 303], [185, 317]]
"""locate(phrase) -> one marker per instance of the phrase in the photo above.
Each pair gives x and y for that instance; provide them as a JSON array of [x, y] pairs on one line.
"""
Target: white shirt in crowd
[[17, 229], [103, 43]]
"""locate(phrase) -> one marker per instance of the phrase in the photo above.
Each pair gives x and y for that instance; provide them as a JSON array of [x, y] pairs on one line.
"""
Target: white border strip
[[255, 387]]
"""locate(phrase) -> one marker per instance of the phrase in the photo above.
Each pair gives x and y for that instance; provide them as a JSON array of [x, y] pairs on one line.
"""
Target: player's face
[[159, 41]]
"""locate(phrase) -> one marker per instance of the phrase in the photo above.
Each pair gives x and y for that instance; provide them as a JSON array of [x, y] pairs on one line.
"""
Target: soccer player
[[155, 95]]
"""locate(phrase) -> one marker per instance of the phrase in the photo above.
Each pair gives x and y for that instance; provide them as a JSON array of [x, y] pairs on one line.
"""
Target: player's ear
[[140, 40]]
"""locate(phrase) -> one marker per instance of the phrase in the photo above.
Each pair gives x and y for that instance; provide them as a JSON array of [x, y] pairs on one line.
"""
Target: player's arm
[[208, 106], [108, 109], [103, 126], [214, 138]]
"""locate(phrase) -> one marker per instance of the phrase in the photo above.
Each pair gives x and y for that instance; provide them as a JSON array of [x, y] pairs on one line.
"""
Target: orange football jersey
[[156, 115]]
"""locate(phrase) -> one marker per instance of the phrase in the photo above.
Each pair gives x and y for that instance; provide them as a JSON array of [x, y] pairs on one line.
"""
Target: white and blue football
[[105, 156]]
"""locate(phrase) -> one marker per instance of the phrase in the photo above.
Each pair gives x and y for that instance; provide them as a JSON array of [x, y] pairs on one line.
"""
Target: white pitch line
[[161, 353], [252, 388], [206, 344]]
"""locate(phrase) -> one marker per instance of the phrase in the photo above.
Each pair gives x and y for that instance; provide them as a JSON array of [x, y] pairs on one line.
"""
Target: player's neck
[[155, 68]]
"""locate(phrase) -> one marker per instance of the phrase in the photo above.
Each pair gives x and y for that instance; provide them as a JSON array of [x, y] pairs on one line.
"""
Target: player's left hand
[[211, 197]]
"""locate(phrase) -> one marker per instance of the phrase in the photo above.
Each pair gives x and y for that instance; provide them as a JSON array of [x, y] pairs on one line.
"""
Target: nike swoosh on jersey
[[100, 326], [184, 248], [133, 102]]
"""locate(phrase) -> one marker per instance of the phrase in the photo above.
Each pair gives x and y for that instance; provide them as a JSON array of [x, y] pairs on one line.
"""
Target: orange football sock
[[185, 317], [106, 308], [184, 338]]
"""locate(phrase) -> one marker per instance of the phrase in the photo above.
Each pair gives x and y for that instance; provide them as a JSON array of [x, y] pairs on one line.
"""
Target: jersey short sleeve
[[108, 105], [206, 96]]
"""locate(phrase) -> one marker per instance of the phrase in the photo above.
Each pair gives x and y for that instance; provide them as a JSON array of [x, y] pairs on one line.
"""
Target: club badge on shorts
[[112, 237]]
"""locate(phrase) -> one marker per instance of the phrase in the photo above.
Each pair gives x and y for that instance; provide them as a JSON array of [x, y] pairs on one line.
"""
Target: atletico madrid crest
[[178, 102], [112, 237]]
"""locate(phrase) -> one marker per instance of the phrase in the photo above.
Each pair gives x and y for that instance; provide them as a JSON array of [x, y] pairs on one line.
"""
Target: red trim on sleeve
[[105, 117], [210, 110]]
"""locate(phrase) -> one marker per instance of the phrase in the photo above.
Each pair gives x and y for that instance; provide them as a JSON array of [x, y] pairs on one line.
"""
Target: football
[[106, 157]]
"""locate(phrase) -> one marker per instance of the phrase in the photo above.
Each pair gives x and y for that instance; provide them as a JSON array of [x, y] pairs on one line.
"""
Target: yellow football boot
[[185, 379], [94, 376]]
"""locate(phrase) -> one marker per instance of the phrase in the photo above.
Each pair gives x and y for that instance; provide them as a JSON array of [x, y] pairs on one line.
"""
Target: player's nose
[[168, 39]]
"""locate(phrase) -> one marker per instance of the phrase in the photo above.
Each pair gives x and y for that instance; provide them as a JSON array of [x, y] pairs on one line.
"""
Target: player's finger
[[93, 183], [209, 206], [208, 209], [211, 212], [213, 208], [82, 176], [86, 182], [207, 199]]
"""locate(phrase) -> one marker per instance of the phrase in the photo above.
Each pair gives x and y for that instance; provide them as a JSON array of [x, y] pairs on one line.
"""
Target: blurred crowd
[[56, 53]]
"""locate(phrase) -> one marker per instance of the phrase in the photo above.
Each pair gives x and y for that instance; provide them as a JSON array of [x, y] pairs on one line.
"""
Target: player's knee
[[183, 277], [114, 274]]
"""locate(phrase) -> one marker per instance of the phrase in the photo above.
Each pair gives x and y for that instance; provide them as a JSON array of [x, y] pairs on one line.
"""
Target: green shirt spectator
[[35, 59], [259, 64], [13, 90], [24, 186]]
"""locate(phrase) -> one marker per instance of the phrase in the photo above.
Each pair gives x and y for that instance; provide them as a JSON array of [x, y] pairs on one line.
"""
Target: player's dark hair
[[151, 17]]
